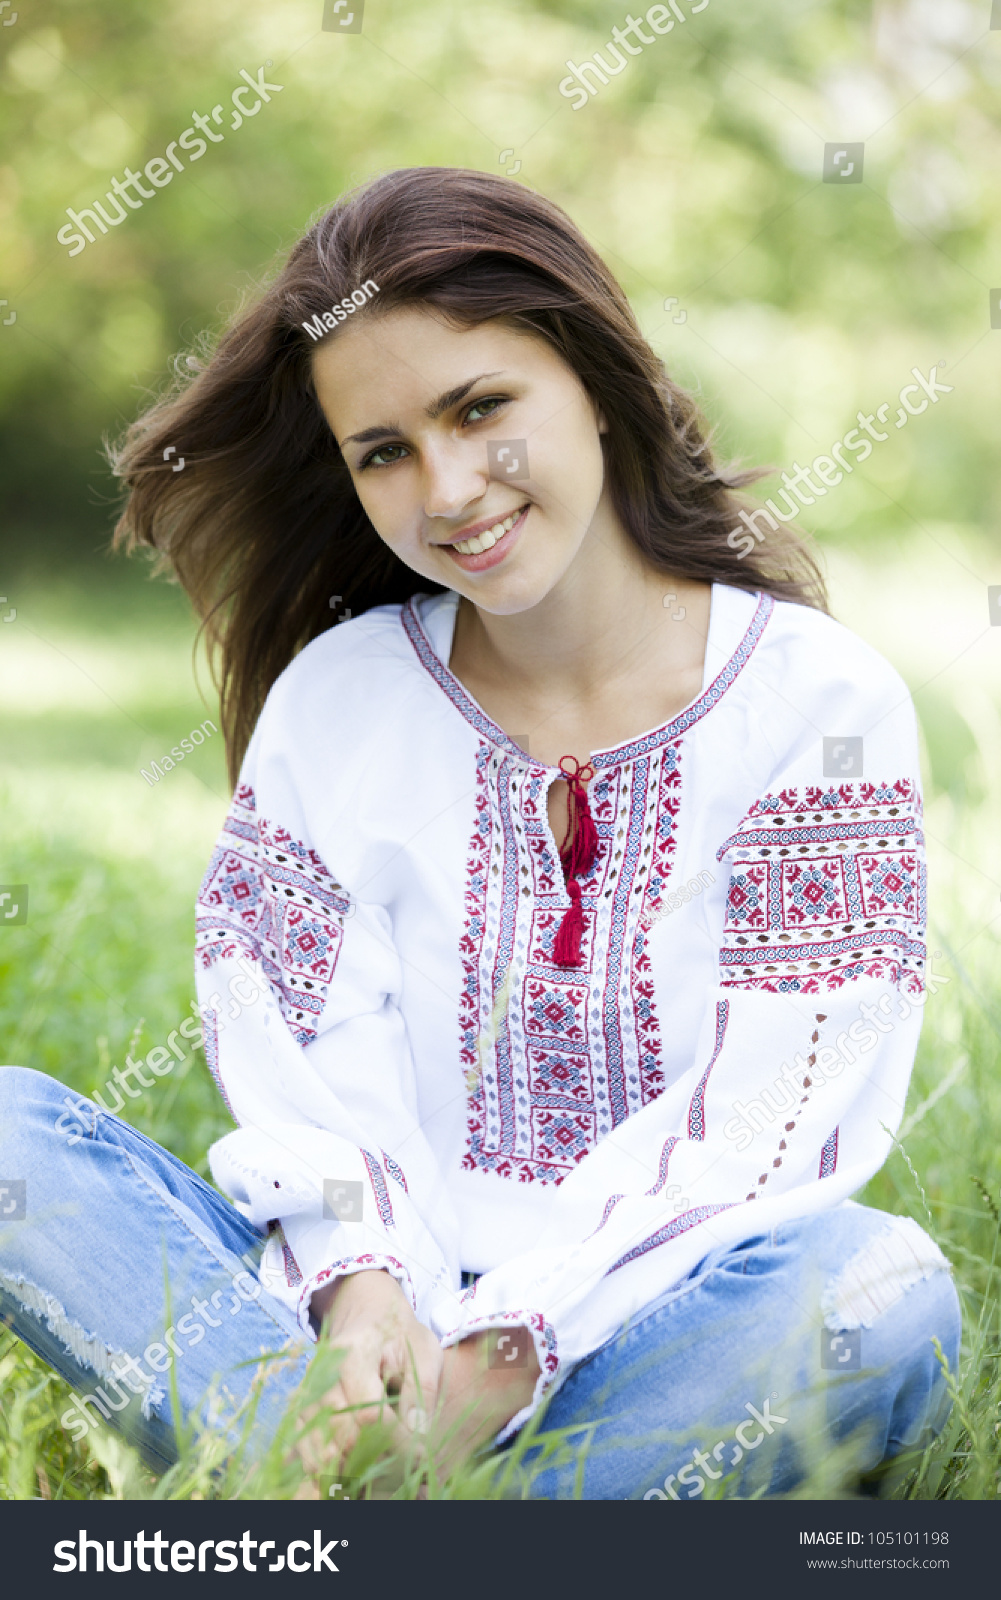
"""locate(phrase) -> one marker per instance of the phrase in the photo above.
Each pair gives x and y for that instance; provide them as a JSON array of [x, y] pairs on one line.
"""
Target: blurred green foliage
[[696, 169]]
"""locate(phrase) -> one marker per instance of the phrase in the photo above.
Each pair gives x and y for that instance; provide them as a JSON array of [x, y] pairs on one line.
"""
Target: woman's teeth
[[487, 539]]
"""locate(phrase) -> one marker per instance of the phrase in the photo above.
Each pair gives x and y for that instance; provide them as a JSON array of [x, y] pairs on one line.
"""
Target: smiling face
[[414, 402]]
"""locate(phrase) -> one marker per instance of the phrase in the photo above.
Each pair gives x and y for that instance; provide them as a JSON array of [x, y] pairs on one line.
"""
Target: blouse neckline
[[430, 654]]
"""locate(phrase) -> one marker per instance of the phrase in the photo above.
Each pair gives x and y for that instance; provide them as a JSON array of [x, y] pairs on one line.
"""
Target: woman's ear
[[602, 424]]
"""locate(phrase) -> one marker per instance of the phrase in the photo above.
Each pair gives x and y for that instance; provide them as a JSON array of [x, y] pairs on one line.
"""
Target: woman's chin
[[509, 598], [511, 589]]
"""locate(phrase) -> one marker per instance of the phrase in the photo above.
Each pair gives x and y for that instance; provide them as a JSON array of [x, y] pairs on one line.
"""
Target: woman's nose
[[455, 476]]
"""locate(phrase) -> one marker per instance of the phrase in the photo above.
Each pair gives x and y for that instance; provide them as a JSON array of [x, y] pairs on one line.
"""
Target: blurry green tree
[[697, 171]]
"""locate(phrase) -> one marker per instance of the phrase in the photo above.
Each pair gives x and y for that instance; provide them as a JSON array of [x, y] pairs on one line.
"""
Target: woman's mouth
[[490, 546]]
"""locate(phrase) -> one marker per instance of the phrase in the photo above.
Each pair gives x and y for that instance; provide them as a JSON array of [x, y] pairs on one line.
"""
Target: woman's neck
[[609, 616], [608, 654]]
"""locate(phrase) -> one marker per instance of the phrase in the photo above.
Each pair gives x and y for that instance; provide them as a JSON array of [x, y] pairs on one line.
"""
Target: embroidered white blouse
[[419, 1087]]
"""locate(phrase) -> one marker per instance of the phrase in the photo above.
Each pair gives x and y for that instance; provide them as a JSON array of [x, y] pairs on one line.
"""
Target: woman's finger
[[419, 1386], [331, 1435], [361, 1378]]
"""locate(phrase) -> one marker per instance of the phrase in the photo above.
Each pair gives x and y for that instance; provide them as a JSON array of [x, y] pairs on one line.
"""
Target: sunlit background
[[790, 304]]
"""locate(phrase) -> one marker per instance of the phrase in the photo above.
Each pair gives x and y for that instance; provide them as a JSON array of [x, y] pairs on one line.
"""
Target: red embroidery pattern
[[696, 1110], [667, 1151], [292, 1273], [790, 1128], [552, 1063], [379, 1190], [829, 1156], [670, 1230], [544, 1335], [270, 898], [826, 886], [347, 1264], [556, 1057]]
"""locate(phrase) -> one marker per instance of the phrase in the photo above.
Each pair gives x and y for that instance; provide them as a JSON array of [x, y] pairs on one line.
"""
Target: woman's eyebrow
[[451, 397], [436, 408]]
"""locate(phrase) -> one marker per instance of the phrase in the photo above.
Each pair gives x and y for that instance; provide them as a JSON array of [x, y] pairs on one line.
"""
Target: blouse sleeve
[[298, 984], [801, 1071]]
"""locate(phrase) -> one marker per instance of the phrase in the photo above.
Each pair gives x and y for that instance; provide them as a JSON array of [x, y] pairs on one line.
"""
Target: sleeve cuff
[[546, 1353], [345, 1268]]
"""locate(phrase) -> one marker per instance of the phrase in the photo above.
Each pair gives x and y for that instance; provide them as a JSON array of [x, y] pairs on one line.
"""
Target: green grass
[[95, 683]]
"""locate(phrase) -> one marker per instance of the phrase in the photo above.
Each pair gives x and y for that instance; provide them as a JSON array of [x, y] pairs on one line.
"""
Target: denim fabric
[[732, 1363], [728, 1362], [104, 1217]]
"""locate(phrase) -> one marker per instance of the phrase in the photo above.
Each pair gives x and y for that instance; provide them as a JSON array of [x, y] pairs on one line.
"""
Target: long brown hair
[[263, 525]]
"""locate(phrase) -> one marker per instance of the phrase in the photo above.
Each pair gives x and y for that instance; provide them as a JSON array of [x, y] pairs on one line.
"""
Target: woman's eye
[[378, 458], [386, 455], [492, 402]]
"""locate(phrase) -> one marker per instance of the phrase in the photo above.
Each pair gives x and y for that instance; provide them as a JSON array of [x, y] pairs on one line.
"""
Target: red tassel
[[587, 839], [566, 945], [577, 854]]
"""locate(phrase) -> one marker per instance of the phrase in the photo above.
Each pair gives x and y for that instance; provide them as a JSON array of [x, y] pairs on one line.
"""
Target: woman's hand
[[456, 1396], [387, 1353], [476, 1399]]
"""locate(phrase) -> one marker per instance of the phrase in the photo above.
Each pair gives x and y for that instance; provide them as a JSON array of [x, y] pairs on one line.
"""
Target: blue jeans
[[731, 1383], [730, 1378]]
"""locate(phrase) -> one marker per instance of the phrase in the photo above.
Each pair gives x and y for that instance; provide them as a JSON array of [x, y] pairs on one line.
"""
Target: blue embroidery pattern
[[292, 1272], [665, 1159], [395, 1171], [826, 886], [696, 1111], [670, 1230], [829, 1155], [383, 1203], [270, 898], [555, 1058], [601, 759]]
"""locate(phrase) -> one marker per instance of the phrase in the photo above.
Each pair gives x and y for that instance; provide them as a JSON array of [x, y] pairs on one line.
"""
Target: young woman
[[561, 959]]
